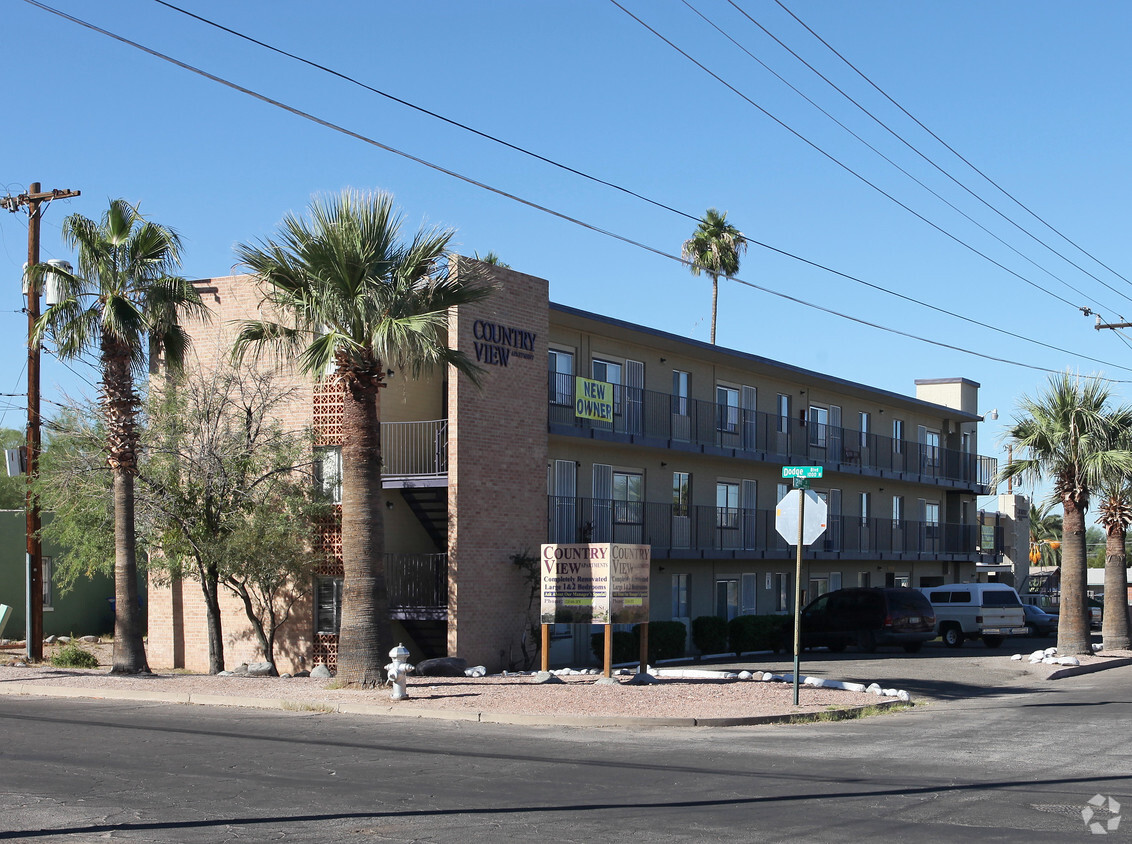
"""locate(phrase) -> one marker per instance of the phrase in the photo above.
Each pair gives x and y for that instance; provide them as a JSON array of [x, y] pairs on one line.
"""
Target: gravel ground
[[513, 694]]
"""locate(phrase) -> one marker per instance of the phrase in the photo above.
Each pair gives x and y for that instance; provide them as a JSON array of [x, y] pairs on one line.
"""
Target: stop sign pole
[[802, 476]]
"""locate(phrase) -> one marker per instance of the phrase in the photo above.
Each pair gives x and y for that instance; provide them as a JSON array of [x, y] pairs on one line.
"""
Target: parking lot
[[936, 673]]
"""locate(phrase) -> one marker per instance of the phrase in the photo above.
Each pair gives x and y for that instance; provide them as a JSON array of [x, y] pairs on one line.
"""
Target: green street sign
[[807, 472]]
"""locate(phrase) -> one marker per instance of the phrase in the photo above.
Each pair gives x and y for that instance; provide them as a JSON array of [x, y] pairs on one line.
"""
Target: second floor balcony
[[677, 422], [734, 532]]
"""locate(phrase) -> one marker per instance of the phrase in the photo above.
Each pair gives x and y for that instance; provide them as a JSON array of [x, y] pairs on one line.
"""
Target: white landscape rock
[[320, 672], [1068, 660], [1016, 656], [1050, 651], [745, 675], [475, 671]]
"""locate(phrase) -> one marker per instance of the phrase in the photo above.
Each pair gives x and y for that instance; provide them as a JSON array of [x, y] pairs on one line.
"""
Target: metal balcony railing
[[660, 416], [416, 581], [414, 449], [669, 527]]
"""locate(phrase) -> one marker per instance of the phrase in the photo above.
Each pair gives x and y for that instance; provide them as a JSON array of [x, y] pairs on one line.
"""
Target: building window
[[680, 605], [680, 386], [897, 511], [727, 504], [727, 599], [819, 426], [328, 605], [681, 493], [610, 372], [783, 413], [727, 409], [781, 592], [628, 495], [864, 508], [897, 436], [864, 423], [328, 471], [561, 372], [863, 580]]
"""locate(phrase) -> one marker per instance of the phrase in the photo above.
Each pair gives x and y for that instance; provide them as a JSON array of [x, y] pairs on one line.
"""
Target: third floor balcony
[[666, 421]]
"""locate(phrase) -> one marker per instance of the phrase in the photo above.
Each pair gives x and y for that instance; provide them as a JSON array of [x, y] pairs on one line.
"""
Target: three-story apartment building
[[684, 454]]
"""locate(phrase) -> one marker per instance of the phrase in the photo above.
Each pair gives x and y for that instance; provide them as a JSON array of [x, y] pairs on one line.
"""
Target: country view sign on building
[[593, 399], [595, 583]]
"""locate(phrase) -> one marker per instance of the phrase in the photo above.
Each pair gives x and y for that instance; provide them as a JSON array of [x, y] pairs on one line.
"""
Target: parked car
[[1040, 621], [1050, 604], [990, 611], [867, 618], [1096, 612]]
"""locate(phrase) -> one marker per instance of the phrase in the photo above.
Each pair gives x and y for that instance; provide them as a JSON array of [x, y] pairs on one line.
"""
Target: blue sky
[[1032, 93]]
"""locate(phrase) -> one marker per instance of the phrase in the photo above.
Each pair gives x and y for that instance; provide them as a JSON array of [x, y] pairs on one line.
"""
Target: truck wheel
[[866, 642], [992, 641], [952, 636]]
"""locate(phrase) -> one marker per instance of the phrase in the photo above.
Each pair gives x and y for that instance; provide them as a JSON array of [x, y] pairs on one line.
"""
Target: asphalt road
[[1015, 765]]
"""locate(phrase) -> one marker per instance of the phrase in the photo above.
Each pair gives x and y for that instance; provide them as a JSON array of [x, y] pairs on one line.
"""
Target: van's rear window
[[1000, 598]]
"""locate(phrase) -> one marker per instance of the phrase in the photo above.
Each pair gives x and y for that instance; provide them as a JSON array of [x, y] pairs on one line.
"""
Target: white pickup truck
[[990, 611]]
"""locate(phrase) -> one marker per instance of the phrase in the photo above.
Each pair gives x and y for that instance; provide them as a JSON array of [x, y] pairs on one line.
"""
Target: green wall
[[84, 610]]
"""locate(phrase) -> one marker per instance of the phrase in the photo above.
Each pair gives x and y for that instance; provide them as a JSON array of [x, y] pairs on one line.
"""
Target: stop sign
[[813, 519]]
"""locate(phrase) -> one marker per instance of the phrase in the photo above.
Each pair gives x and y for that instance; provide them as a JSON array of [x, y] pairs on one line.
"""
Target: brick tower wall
[[177, 634], [497, 467]]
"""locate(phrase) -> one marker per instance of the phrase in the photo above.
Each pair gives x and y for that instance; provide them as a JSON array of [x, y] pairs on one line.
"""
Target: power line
[[658, 204], [953, 151], [910, 146], [837, 161], [430, 113], [880, 288], [565, 217]]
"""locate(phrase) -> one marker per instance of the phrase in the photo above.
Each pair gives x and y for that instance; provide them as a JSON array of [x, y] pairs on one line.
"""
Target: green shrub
[[666, 639], [626, 646], [73, 656], [709, 634], [756, 632]]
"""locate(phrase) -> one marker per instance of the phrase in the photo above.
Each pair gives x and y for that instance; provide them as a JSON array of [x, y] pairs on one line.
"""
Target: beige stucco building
[[685, 455]]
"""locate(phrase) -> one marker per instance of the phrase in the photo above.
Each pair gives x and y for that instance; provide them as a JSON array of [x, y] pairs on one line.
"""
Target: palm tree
[[714, 248], [1045, 535], [359, 300], [125, 301], [1067, 434], [1115, 514]]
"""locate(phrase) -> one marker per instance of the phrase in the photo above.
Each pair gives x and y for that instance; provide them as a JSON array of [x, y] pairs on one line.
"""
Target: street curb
[[1076, 670], [407, 711]]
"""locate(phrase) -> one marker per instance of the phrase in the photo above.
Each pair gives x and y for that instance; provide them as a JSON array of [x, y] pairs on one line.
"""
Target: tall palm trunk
[[121, 404], [1114, 629], [714, 303], [129, 653], [1073, 621], [363, 643]]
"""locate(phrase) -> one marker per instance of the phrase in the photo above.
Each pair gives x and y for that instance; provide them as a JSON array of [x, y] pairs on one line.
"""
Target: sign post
[[807, 531]]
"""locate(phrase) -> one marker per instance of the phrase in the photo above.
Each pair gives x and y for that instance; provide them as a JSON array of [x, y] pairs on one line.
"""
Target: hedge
[[709, 634], [666, 641], [756, 632]]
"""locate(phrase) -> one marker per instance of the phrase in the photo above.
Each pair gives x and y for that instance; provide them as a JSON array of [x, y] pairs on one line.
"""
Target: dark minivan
[[868, 618]]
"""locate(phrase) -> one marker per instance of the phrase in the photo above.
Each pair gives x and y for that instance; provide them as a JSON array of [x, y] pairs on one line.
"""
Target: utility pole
[[34, 200]]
